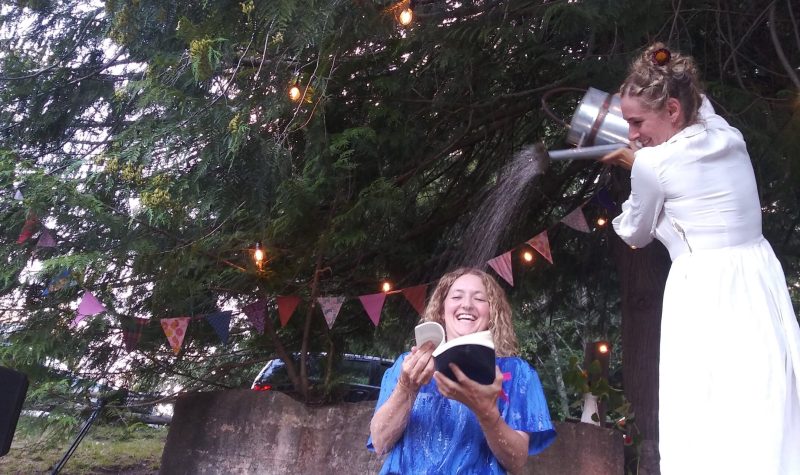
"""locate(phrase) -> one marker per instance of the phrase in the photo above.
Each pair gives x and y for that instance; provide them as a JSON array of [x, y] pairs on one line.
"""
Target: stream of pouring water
[[481, 240]]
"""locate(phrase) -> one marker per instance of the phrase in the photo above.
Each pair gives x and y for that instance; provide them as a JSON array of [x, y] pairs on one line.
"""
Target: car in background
[[356, 377]]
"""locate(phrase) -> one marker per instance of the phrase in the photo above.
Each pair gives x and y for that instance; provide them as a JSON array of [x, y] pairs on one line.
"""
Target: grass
[[120, 449]]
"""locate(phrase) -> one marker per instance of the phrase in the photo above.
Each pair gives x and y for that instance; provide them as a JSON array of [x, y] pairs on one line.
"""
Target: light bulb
[[386, 287], [406, 17], [602, 348], [601, 221], [258, 255], [294, 93], [527, 256]]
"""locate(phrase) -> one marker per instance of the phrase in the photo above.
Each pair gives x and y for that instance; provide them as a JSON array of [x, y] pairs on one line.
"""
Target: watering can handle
[[546, 107]]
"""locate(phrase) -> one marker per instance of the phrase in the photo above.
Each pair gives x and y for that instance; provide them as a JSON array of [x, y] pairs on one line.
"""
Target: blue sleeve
[[388, 383], [523, 406]]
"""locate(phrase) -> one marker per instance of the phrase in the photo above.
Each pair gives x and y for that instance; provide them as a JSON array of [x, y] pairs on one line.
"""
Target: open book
[[473, 353]]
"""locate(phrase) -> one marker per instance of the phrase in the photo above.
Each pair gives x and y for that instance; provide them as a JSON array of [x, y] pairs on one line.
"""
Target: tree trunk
[[642, 274]]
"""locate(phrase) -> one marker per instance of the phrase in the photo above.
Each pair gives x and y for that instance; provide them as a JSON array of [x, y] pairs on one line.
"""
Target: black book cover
[[473, 354]]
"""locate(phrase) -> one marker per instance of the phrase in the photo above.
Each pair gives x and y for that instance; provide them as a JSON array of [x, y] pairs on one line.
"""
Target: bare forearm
[[389, 422], [509, 446]]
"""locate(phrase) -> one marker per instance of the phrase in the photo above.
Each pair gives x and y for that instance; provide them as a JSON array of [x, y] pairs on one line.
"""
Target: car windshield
[[349, 370]]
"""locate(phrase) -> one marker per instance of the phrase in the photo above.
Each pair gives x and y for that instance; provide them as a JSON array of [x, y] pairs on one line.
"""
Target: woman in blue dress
[[428, 423]]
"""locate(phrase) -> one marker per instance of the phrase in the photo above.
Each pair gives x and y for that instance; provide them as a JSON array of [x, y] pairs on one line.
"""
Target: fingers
[[623, 157]]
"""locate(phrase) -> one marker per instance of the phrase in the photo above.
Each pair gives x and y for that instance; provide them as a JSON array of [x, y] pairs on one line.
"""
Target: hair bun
[[661, 56]]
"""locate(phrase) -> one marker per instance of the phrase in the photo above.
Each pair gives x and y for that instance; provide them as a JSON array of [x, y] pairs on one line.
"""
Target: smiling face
[[647, 126], [466, 307]]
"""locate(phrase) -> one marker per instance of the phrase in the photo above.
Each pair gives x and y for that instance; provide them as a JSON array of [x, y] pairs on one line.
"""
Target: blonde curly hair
[[659, 74], [505, 340]]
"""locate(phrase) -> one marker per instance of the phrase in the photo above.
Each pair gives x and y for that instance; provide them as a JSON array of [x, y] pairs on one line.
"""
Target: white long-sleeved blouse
[[695, 191]]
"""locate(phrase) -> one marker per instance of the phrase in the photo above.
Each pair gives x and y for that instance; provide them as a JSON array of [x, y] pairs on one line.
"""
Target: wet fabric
[[443, 436]]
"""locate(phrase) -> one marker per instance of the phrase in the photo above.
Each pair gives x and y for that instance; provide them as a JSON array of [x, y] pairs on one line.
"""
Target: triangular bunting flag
[[60, 281], [175, 330], [89, 306], [28, 228], [18, 195], [46, 239], [221, 323], [330, 308], [286, 306], [576, 220], [132, 331], [603, 198], [502, 265], [373, 304], [416, 297], [541, 244], [255, 312]]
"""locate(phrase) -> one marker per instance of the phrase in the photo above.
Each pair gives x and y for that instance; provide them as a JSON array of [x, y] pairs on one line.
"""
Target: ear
[[675, 111]]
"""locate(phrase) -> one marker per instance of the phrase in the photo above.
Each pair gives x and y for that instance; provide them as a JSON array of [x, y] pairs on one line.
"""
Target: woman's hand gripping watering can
[[597, 127]]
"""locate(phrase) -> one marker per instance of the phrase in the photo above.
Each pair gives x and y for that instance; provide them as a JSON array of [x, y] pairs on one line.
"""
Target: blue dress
[[443, 436]]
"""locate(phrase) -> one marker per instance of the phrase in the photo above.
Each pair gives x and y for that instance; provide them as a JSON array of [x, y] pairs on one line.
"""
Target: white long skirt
[[729, 397]]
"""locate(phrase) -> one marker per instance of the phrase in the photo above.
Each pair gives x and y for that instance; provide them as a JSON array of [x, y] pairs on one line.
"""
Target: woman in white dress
[[729, 390]]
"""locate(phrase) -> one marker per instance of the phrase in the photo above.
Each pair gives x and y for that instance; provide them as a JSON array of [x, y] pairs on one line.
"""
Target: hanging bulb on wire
[[528, 257], [294, 92], [386, 286], [259, 255], [406, 17]]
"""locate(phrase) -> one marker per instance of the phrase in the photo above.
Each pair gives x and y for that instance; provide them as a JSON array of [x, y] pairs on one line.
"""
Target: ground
[[107, 449]]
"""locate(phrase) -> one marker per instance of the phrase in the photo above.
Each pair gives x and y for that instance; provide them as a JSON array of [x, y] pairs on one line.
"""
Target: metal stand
[[79, 437]]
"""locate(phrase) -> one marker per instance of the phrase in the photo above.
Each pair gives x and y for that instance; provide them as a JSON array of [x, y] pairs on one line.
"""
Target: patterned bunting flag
[[221, 323], [28, 228], [286, 306], [60, 281], [175, 330], [330, 308], [132, 329], [541, 244], [416, 297], [502, 265], [46, 239], [255, 312], [89, 306], [576, 220]]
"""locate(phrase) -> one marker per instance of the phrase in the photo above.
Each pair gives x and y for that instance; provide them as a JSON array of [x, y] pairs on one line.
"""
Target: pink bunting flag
[[576, 220], [46, 239], [286, 306], [542, 245], [28, 228], [255, 313], [502, 265], [89, 306], [330, 308], [416, 297], [373, 304], [175, 330]]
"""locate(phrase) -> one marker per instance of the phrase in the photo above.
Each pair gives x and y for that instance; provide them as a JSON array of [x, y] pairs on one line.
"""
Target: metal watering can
[[597, 126]]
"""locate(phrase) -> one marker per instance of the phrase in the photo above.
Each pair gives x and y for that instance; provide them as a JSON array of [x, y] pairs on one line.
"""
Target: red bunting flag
[[502, 265], [373, 304], [28, 228], [330, 308], [175, 330], [416, 297], [576, 220], [255, 312], [89, 306], [286, 306], [542, 245]]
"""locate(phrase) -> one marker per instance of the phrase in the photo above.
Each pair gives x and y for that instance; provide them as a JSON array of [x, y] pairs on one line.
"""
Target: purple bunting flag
[[255, 313], [373, 304]]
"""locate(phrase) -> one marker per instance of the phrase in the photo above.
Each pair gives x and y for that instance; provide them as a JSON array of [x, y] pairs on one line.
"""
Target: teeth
[[465, 316]]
